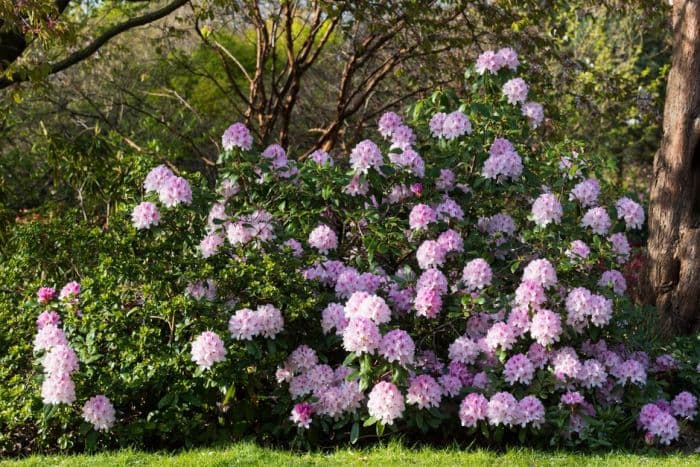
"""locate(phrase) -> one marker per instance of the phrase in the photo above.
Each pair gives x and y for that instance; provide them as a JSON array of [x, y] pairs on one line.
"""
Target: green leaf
[[354, 433], [370, 421]]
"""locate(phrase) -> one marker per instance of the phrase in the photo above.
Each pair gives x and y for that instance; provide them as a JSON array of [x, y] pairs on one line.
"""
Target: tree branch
[[93, 47]]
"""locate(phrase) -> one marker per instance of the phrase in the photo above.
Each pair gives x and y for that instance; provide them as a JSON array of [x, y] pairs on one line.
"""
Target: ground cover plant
[[460, 276]]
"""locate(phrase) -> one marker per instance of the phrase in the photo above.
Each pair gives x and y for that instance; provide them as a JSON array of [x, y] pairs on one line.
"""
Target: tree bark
[[674, 210]]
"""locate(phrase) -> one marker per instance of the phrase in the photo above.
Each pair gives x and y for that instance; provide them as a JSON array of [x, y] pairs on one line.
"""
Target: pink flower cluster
[[207, 349], [237, 136], [266, 321], [534, 112], [503, 161], [477, 274], [657, 420], [586, 193], [424, 392], [257, 225], [421, 215], [493, 61], [597, 220], [45, 294], [547, 209], [631, 212], [365, 155], [385, 403], [450, 126], [172, 191], [515, 90], [99, 411], [323, 238], [59, 360]]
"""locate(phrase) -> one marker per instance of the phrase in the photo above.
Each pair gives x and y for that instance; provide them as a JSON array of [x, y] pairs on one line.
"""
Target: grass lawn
[[393, 454]]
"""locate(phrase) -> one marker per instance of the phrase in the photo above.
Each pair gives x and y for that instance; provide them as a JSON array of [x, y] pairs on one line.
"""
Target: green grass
[[393, 454]]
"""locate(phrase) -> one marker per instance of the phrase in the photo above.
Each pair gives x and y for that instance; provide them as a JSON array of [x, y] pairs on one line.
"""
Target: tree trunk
[[674, 210]]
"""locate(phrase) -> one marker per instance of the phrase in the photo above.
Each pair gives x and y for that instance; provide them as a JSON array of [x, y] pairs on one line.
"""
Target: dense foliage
[[464, 278]]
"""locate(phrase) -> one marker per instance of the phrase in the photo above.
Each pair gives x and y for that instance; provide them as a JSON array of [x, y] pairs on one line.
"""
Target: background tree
[[674, 210]]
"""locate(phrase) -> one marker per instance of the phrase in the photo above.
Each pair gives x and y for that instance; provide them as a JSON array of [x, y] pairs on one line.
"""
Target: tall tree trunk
[[674, 211]]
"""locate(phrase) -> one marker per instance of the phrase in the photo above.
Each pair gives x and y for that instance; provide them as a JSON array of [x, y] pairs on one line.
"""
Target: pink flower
[[538, 355], [333, 317], [456, 124], [403, 137], [49, 336], [446, 180], [500, 336], [451, 241], [210, 245], [428, 302], [99, 411], [436, 124], [659, 423], [449, 208], [47, 318], [451, 385], [388, 122], [620, 246], [207, 349], [361, 335], [321, 157], [69, 291], [534, 112], [566, 364], [547, 209], [545, 327], [578, 250], [586, 193], [303, 358], [530, 293], [685, 405], [503, 161], [60, 360], [477, 274], [597, 220], [301, 415], [357, 186], [58, 389], [518, 369], [175, 190], [365, 155], [531, 411], [397, 346], [430, 254], [323, 238], [503, 409], [592, 374], [464, 350], [489, 61], [433, 279], [631, 212], [237, 136], [473, 409], [375, 308], [424, 392], [578, 307], [542, 272], [508, 58], [157, 178], [572, 398], [515, 90], [613, 279], [630, 371], [421, 215], [385, 403], [45, 294]]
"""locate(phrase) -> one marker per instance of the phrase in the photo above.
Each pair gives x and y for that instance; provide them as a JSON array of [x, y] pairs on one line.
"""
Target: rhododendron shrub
[[455, 273]]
